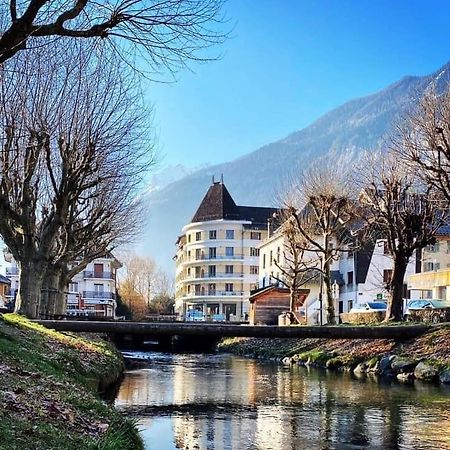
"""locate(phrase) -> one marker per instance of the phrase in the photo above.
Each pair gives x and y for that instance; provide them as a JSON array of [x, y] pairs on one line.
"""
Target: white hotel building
[[217, 259]]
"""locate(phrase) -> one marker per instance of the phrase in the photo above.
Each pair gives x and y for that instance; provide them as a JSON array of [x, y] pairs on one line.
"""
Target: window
[[229, 251], [437, 266], [254, 270], [212, 234], [271, 258], [448, 246], [197, 272], [349, 305], [255, 235], [433, 248], [197, 289], [350, 254], [229, 234], [278, 255], [212, 271], [189, 289], [198, 253], [386, 248], [189, 254], [264, 261], [212, 289], [98, 290], [349, 277], [212, 253], [189, 238], [198, 235], [387, 275], [228, 287], [254, 251], [228, 269], [189, 271], [73, 287]]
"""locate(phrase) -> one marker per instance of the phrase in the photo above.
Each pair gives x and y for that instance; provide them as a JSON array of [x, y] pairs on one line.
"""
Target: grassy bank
[[49, 391], [426, 357]]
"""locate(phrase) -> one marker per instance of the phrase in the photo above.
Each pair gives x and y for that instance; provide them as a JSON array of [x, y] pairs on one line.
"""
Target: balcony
[[90, 301], [208, 276], [102, 275], [214, 294], [99, 295]]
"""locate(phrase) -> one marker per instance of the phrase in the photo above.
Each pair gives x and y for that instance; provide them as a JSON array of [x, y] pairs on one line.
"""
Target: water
[[222, 402]]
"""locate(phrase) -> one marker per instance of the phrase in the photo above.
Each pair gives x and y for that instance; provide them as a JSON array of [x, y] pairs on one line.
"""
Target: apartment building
[[432, 277], [92, 292], [217, 257]]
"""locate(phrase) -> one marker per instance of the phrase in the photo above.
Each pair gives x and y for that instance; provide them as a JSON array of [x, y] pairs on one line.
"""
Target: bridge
[[217, 331]]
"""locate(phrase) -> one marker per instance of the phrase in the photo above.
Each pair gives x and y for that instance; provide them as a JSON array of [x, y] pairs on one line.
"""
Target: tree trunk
[[49, 292], [395, 303], [331, 316], [61, 298], [30, 283]]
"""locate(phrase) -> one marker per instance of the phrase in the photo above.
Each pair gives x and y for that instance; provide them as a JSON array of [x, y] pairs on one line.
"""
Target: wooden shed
[[267, 303]]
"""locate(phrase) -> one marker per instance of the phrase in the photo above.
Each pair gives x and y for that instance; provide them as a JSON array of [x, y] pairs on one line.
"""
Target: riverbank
[[49, 391], [426, 357]]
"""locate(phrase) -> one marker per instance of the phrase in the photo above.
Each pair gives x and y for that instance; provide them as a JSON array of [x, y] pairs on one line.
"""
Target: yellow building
[[433, 277], [217, 259]]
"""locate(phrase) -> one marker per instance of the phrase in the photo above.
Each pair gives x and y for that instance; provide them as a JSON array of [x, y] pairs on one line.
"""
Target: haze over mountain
[[256, 178]]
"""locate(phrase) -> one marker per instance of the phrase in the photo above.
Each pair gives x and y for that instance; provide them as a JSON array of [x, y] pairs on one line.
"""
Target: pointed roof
[[217, 204]]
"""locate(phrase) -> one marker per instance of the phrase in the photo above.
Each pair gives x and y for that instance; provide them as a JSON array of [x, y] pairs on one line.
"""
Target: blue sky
[[289, 62]]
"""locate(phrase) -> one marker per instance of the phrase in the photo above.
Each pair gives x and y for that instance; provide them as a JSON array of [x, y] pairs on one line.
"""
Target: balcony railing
[[89, 301], [215, 294], [99, 295], [104, 275], [212, 258], [217, 275]]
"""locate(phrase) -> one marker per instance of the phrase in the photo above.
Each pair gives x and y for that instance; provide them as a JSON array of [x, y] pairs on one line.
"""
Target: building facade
[[92, 292], [217, 258], [432, 279]]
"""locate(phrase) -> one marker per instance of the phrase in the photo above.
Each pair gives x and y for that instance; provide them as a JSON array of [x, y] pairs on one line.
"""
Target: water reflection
[[223, 402]]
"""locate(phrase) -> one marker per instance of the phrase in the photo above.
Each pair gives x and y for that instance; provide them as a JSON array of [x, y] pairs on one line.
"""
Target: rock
[[427, 372], [405, 377], [403, 365], [360, 368], [375, 369], [445, 377], [385, 365]]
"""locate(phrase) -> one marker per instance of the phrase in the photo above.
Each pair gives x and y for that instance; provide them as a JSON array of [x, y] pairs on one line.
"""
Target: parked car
[[426, 304], [194, 315], [369, 307]]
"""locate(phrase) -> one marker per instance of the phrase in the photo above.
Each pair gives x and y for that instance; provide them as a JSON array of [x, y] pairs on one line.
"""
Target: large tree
[[400, 208], [71, 157], [166, 33], [322, 210], [298, 264]]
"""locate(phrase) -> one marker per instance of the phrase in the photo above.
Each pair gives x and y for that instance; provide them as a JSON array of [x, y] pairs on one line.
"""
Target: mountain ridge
[[256, 177]]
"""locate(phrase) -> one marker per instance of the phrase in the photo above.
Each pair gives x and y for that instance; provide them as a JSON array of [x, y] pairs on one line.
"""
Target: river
[[223, 402]]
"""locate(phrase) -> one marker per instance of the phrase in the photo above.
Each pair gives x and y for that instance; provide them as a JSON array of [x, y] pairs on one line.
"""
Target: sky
[[287, 63]]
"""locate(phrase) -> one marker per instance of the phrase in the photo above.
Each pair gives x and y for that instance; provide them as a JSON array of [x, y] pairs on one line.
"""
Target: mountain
[[254, 179]]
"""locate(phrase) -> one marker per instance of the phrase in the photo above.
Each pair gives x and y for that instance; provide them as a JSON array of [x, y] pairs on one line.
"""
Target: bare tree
[[298, 265], [399, 207], [422, 140], [142, 282], [321, 207], [71, 157], [167, 33]]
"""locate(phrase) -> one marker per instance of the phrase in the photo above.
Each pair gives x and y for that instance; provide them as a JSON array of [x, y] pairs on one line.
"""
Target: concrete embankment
[[426, 357], [49, 391]]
